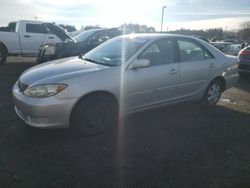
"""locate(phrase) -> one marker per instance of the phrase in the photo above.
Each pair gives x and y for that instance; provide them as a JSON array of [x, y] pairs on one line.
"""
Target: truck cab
[[33, 35], [26, 40]]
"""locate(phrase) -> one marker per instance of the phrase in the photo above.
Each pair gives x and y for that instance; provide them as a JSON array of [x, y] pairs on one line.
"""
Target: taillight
[[244, 52]]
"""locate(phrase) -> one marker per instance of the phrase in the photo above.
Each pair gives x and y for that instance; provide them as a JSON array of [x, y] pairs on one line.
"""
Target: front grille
[[21, 86]]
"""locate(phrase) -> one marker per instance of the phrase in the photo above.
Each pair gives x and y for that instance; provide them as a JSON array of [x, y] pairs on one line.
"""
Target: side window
[[102, 37], [160, 52], [208, 55], [35, 28], [115, 33], [190, 51]]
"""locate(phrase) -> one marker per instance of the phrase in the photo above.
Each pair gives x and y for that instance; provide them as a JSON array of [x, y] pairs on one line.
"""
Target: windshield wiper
[[94, 61]]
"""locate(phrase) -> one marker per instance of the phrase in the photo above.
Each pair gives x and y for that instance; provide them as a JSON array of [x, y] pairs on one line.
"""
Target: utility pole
[[162, 17]]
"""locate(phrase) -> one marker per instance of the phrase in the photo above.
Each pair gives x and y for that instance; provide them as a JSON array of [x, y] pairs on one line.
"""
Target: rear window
[[85, 35], [35, 28]]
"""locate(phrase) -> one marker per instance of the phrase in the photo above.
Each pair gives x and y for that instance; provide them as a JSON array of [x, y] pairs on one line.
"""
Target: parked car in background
[[74, 33], [232, 49], [131, 73], [82, 43], [221, 45], [26, 40], [233, 41], [244, 62]]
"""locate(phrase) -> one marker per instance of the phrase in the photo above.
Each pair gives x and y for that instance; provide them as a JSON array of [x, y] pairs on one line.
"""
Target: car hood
[[58, 70], [58, 31]]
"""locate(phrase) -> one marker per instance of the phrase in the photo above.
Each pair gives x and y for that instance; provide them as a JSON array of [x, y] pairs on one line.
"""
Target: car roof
[[101, 29], [153, 36]]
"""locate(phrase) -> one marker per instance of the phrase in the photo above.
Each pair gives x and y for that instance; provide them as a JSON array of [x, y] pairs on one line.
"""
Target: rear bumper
[[45, 58], [41, 57]]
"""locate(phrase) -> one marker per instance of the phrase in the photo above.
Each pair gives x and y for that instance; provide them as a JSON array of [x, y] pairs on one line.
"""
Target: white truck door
[[32, 37]]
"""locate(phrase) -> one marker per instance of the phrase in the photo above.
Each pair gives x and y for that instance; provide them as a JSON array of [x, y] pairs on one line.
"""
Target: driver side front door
[[157, 83]]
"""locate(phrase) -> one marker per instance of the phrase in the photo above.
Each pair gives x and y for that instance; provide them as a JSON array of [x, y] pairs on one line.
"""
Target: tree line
[[12, 26], [212, 34]]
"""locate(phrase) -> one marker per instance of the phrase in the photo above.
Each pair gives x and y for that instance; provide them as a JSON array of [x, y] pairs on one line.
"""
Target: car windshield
[[84, 35], [113, 52]]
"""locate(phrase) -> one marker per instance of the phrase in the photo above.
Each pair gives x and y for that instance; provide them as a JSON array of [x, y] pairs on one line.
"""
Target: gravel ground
[[187, 145]]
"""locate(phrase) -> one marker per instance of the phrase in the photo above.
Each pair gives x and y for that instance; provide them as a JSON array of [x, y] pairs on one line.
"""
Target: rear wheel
[[93, 114], [213, 93], [3, 55]]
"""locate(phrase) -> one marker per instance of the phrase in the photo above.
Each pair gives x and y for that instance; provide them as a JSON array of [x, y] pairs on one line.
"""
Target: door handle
[[173, 71], [27, 36], [51, 37], [211, 65]]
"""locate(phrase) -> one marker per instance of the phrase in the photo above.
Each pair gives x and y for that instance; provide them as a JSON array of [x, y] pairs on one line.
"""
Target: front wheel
[[93, 114], [213, 93]]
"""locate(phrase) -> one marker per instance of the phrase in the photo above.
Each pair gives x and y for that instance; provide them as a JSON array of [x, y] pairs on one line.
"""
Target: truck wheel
[[3, 56]]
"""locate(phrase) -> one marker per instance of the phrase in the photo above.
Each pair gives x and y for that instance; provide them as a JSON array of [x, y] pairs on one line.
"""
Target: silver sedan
[[126, 74]]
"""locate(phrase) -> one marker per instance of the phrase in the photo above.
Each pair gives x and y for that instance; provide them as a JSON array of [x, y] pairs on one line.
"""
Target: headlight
[[50, 50], [43, 91]]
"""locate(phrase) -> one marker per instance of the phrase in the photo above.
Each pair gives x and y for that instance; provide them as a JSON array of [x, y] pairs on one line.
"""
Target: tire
[[3, 55], [213, 93], [94, 114]]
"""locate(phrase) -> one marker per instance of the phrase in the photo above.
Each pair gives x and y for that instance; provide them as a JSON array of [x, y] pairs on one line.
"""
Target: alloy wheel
[[214, 93]]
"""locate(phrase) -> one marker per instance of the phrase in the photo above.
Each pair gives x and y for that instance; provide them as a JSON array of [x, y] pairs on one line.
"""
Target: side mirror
[[140, 63]]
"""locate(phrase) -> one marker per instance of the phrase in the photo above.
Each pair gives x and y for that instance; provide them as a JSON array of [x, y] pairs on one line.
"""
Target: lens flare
[[121, 126]]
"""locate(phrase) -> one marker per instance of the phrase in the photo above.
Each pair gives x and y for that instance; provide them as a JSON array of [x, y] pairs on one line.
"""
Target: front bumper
[[48, 112], [41, 57]]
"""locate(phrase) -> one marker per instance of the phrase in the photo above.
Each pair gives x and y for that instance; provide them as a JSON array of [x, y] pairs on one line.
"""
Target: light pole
[[162, 17]]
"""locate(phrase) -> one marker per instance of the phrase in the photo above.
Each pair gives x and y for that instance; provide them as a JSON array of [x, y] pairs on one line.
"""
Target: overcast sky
[[193, 14]]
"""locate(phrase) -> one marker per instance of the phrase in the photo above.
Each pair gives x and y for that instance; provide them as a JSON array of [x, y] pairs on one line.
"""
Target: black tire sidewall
[[4, 56], [79, 124]]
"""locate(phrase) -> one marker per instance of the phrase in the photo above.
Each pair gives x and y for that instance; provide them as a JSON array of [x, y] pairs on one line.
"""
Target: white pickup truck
[[26, 40]]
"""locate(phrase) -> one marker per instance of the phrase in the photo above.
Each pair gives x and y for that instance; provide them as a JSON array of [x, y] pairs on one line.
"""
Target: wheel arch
[[93, 93], [222, 80], [2, 45]]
